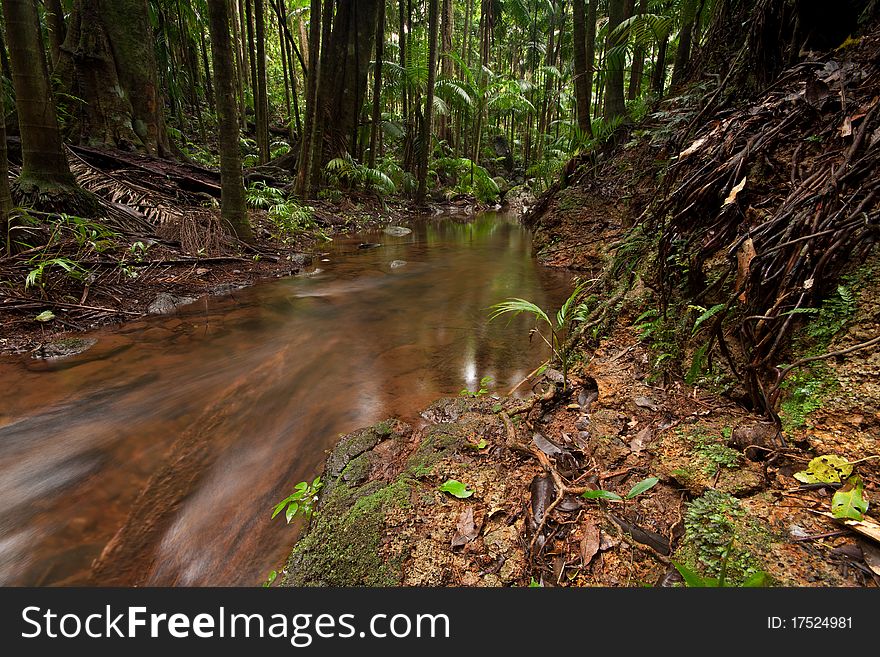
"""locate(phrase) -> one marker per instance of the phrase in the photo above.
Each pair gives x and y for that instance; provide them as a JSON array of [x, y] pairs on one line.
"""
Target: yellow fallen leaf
[[846, 128], [736, 190]]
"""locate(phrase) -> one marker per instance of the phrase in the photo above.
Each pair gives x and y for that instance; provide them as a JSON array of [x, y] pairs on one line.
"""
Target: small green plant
[[485, 382], [37, 275], [714, 454], [642, 487], [273, 575], [345, 171], [712, 524], [693, 579], [301, 501], [466, 177], [455, 488], [573, 311]]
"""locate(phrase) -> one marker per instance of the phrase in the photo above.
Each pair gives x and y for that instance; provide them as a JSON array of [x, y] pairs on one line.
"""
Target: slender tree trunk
[[5, 190], [615, 105], [232, 199], [262, 93], [446, 66], [240, 66], [583, 79], [252, 59], [683, 53], [43, 160], [638, 63], [303, 187], [208, 83], [247, 70], [322, 100], [433, 20], [55, 28], [376, 121], [658, 75]]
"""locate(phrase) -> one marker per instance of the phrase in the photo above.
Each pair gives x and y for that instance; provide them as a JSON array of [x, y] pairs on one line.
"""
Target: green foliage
[[850, 502], [273, 575], [466, 177], [344, 171], [485, 382], [455, 488], [713, 453], [694, 580], [301, 501], [573, 311], [806, 390], [641, 487], [712, 523], [833, 315], [828, 469], [286, 215], [37, 275]]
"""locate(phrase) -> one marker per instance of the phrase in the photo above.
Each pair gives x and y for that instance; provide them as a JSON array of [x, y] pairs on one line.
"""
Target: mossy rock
[[344, 544]]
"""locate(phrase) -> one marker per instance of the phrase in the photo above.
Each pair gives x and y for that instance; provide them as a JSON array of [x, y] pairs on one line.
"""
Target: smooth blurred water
[[172, 437]]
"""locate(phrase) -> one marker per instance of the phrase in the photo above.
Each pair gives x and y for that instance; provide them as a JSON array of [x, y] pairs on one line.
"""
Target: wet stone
[[64, 348], [166, 303]]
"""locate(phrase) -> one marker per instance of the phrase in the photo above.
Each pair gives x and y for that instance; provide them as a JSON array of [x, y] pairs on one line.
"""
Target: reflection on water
[[166, 444]]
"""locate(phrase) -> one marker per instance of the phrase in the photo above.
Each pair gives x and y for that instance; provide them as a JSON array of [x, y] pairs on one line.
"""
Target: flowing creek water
[[160, 451]]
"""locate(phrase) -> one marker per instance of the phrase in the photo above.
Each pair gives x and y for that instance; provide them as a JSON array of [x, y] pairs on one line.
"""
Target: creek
[[165, 446]]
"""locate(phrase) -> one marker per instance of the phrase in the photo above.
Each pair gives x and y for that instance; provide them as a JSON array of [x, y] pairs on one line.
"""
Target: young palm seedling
[[557, 329]]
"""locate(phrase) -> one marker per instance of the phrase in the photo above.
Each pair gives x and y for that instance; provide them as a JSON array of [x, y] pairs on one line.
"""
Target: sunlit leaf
[[456, 488], [828, 469], [641, 487], [601, 495], [850, 502]]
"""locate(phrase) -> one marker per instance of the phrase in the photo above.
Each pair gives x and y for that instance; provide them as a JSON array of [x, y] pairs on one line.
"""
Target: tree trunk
[[303, 187], [638, 63], [583, 78], [262, 94], [232, 201], [345, 69], [208, 83], [615, 105], [658, 75], [425, 154], [5, 191], [446, 66], [55, 28], [109, 59], [376, 120], [44, 164], [683, 53], [316, 160]]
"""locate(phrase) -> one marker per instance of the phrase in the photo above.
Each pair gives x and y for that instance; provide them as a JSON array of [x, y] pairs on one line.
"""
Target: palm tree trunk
[[583, 79], [262, 95], [55, 28], [615, 105], [377, 86], [433, 20], [303, 187], [232, 198]]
